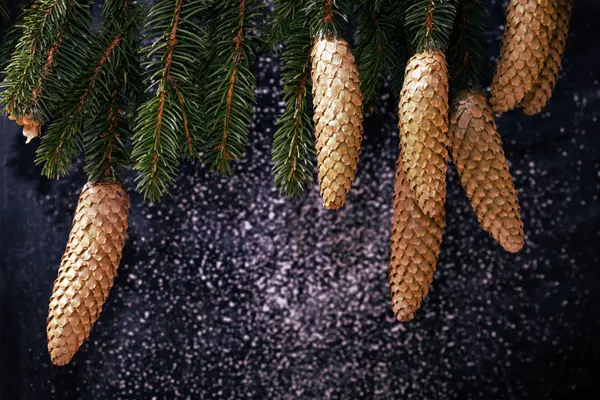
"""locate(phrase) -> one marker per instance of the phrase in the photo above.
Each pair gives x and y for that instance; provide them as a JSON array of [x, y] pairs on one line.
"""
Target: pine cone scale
[[87, 268]]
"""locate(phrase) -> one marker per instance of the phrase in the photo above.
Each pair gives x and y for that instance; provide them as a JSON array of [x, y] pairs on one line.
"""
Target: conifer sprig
[[379, 43], [327, 17], [429, 23], [106, 67], [107, 129], [287, 17], [53, 35], [466, 55], [163, 130], [230, 90], [4, 12], [293, 142]]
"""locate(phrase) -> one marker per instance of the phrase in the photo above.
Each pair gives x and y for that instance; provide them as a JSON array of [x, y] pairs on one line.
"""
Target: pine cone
[[423, 124], [338, 118], [415, 246], [481, 164], [87, 268], [529, 26], [537, 98], [31, 128]]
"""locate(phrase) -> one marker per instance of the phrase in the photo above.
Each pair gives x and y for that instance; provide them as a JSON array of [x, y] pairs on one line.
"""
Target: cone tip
[[513, 244], [531, 110], [60, 356], [61, 347], [332, 206], [334, 202], [403, 315]]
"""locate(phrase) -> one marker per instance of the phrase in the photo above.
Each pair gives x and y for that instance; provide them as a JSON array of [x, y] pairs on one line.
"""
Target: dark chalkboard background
[[228, 290]]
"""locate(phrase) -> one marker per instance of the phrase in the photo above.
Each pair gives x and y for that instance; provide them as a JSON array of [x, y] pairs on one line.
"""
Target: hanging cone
[[87, 268], [481, 164], [423, 124], [415, 246], [31, 128], [529, 26], [537, 98], [337, 117]]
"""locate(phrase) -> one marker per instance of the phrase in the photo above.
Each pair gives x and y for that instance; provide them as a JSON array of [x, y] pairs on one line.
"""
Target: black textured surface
[[228, 290]]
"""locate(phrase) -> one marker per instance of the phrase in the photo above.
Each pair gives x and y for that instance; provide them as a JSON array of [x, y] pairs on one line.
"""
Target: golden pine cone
[[338, 117], [87, 268], [537, 98], [529, 26], [481, 164], [415, 247], [423, 124]]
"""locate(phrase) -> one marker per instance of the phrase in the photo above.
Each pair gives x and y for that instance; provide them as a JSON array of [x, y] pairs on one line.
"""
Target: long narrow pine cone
[[87, 268], [481, 164], [423, 124], [415, 247], [537, 98], [529, 27], [338, 117]]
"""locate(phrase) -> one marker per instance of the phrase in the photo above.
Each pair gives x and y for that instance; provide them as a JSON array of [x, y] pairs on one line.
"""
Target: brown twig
[[96, 73], [48, 66], [327, 11]]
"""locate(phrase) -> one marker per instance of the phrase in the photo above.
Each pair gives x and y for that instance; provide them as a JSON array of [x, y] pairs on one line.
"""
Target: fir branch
[[107, 128], [327, 17], [109, 67], [105, 141], [293, 142], [379, 43], [4, 12], [429, 23], [186, 128], [466, 54], [47, 27], [48, 66], [230, 92], [394, 60], [163, 127], [62, 141], [283, 20]]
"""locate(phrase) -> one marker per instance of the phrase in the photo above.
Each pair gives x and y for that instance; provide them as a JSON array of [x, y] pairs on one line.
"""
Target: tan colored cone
[[87, 268], [31, 131], [415, 246], [31, 128], [529, 26], [423, 124], [481, 164], [338, 118], [537, 98]]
